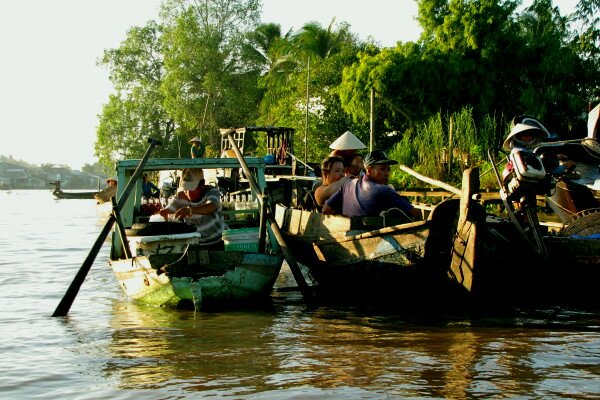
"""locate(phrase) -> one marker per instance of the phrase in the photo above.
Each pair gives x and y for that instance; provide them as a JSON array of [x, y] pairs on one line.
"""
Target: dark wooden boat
[[497, 261], [371, 258], [577, 188], [61, 194]]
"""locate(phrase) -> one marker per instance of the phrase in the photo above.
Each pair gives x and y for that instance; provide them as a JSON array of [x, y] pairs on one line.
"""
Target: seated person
[[332, 172], [369, 195], [149, 189], [109, 191], [355, 166], [198, 204]]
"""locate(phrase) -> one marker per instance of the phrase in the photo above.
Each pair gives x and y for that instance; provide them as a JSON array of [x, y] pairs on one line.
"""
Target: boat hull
[[59, 194], [391, 263], [198, 278], [571, 198]]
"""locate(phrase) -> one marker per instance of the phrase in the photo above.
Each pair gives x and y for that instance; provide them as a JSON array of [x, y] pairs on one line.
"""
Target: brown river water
[[109, 348]]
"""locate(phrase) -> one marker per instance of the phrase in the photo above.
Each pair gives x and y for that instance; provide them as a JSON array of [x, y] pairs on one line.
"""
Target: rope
[[583, 223]]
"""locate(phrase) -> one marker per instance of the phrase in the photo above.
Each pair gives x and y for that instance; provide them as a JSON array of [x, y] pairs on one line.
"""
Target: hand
[[327, 210], [164, 213], [183, 212]]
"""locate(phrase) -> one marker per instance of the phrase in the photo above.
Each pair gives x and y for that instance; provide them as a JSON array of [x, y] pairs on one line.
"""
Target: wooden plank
[[464, 248]]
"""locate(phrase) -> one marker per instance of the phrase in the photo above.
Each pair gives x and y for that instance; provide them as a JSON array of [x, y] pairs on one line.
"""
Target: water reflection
[[290, 346], [110, 348]]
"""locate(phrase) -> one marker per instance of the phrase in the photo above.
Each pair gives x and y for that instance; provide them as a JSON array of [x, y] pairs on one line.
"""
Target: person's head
[[523, 136], [145, 177], [112, 181], [347, 141], [377, 165], [332, 170], [355, 165], [192, 183], [195, 141]]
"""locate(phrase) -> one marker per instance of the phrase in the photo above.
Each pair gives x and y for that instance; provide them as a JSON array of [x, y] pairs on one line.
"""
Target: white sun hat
[[517, 130], [190, 178], [347, 142], [195, 139]]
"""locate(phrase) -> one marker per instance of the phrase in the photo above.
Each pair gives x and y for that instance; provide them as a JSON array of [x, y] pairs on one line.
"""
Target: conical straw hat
[[535, 131], [347, 142], [195, 139]]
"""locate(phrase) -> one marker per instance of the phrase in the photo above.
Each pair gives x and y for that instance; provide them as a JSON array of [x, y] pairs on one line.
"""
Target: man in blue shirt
[[369, 195], [149, 189]]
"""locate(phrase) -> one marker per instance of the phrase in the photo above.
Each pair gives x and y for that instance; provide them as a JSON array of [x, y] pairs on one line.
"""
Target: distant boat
[[60, 194]]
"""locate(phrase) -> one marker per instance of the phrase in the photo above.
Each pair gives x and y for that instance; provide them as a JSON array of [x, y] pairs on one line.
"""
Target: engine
[[525, 175]]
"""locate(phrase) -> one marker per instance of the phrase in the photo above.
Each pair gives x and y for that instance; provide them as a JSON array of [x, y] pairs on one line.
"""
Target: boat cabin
[[288, 178], [240, 209]]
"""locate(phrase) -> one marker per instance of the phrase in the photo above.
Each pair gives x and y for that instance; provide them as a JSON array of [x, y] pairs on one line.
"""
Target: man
[[149, 189], [198, 149], [198, 204], [369, 195]]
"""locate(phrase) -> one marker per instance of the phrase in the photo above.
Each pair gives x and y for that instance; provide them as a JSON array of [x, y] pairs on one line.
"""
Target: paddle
[[65, 304], [289, 257]]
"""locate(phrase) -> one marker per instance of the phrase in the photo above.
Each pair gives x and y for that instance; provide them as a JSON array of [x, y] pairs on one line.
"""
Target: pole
[[306, 117], [65, 304], [372, 131], [204, 116], [287, 254]]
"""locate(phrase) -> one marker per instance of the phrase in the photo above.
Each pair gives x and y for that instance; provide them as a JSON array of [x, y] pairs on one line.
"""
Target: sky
[[51, 90]]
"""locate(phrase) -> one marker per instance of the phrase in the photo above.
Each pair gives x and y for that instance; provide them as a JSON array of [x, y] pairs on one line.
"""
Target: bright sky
[[51, 90]]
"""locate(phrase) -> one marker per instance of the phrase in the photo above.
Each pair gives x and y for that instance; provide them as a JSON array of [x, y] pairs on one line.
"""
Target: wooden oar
[[65, 304], [431, 181], [289, 257]]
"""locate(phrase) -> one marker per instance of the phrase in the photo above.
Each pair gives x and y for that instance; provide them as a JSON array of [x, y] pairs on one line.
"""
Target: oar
[[289, 257], [65, 304], [431, 181]]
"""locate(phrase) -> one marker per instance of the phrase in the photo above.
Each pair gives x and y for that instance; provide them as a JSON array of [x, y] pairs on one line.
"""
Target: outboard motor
[[525, 176]]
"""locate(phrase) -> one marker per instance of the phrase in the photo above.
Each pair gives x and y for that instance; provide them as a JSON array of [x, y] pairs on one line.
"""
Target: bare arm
[[324, 192], [187, 211]]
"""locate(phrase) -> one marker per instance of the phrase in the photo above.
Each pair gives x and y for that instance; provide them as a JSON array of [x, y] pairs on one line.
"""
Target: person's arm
[[171, 208], [327, 210], [333, 205], [395, 200], [322, 193]]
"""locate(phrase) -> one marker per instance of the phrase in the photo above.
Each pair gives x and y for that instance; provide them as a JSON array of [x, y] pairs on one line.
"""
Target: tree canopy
[[208, 64]]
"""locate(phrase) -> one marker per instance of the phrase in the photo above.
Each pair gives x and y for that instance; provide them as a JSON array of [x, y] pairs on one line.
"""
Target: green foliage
[[443, 146], [210, 64]]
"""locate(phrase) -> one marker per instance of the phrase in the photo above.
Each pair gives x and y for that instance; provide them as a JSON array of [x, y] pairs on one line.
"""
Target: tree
[[205, 70], [477, 54], [318, 55], [94, 169], [135, 111]]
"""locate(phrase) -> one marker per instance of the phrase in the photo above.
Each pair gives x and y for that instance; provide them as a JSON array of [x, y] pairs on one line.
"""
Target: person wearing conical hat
[[523, 136], [198, 149], [345, 146]]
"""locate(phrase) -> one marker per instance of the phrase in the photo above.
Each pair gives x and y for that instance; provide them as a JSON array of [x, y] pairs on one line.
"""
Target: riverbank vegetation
[[439, 103]]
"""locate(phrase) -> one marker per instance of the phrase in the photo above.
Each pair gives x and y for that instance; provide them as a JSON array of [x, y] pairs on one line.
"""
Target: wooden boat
[[500, 261], [577, 190], [372, 258], [162, 263], [61, 194]]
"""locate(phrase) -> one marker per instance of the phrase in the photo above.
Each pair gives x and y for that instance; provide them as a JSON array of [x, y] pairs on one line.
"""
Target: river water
[[110, 348]]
